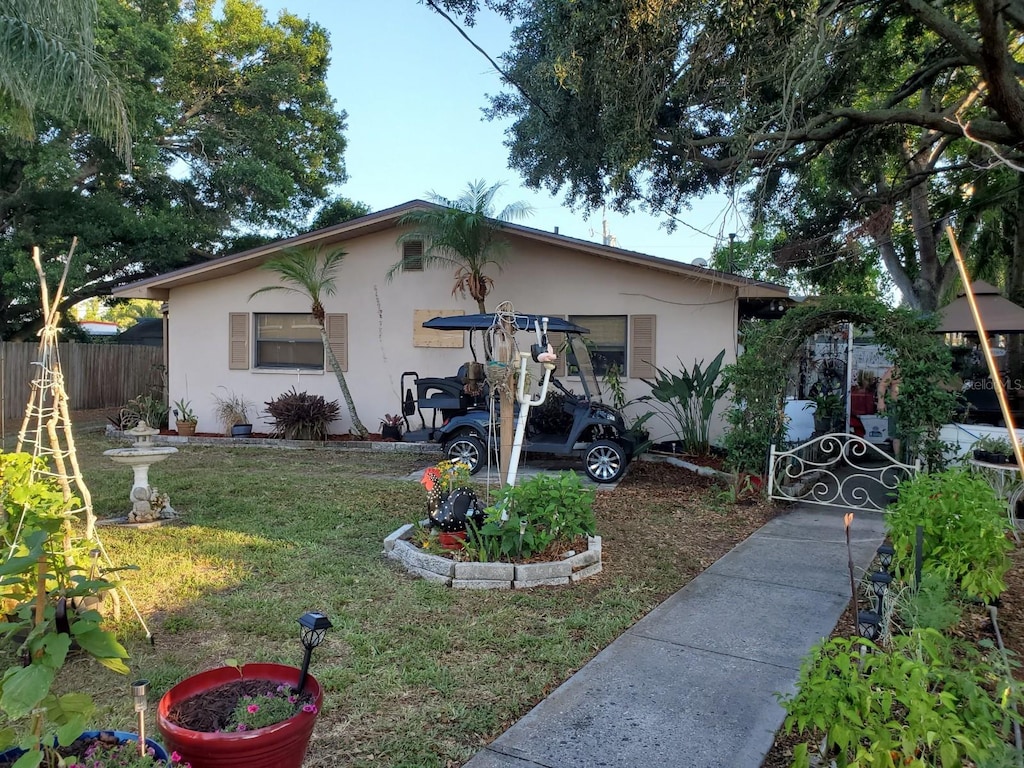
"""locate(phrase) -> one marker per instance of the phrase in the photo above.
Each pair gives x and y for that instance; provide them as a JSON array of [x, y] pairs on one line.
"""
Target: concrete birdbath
[[148, 504]]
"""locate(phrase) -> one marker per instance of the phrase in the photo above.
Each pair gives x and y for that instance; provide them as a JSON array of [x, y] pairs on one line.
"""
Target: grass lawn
[[415, 674]]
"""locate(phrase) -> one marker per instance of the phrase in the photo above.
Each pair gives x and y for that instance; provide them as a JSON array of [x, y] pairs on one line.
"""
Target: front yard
[[415, 674]]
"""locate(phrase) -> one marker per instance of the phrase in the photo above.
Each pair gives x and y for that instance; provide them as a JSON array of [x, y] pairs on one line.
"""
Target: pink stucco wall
[[696, 320]]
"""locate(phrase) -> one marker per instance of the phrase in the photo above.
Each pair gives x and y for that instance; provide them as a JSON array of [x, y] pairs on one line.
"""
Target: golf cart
[[460, 416]]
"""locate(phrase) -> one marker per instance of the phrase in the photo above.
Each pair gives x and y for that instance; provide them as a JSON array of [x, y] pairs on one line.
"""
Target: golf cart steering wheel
[[576, 400]]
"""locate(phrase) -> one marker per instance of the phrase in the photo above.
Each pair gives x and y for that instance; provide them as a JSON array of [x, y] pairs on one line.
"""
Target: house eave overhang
[[160, 286]]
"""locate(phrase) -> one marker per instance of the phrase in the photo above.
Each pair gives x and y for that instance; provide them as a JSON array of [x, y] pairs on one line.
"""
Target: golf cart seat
[[445, 393]]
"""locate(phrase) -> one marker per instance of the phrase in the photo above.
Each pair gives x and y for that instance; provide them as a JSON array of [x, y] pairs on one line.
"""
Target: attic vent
[[412, 256]]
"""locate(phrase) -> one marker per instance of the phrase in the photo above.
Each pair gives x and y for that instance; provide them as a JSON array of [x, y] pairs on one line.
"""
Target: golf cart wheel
[[604, 461], [467, 448]]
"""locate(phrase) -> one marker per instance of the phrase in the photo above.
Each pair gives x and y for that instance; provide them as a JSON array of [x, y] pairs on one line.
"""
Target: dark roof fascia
[[158, 286]]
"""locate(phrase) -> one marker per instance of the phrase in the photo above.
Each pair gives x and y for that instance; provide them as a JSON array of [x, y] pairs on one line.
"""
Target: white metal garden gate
[[837, 470]]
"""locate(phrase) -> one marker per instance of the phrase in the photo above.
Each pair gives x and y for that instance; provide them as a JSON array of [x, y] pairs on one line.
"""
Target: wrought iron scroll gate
[[837, 470]]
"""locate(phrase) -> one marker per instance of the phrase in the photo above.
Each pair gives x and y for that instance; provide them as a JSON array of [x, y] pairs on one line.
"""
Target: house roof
[[159, 287]]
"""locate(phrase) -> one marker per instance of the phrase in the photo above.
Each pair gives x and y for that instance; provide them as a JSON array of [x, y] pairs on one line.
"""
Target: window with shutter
[[606, 340], [642, 360], [337, 337], [288, 341], [238, 341]]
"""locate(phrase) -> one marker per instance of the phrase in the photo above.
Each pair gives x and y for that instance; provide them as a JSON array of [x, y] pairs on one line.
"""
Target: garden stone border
[[466, 575]]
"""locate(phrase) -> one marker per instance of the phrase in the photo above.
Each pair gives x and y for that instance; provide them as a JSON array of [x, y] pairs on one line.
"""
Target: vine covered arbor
[[926, 399]]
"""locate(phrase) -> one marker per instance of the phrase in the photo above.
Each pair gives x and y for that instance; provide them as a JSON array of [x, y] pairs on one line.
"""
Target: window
[[412, 255], [606, 340], [288, 341]]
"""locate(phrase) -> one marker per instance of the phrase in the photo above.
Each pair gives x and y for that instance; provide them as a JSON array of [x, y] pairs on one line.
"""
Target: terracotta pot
[[452, 540], [185, 428], [282, 745]]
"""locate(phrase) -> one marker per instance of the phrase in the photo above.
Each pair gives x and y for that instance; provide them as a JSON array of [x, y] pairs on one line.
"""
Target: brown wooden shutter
[[337, 337], [642, 360], [238, 341]]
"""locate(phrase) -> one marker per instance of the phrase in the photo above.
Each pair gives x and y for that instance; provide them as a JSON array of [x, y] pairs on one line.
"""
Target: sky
[[414, 89]]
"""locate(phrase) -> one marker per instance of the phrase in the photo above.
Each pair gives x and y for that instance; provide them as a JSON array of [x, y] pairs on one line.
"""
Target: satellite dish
[[699, 262]]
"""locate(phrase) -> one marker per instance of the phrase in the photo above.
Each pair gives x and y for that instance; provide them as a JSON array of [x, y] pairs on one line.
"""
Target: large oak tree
[[234, 133], [885, 112]]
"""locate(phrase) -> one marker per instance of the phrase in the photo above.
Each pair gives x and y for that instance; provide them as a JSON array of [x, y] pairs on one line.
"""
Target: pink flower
[[253, 709], [309, 708], [241, 727], [175, 757]]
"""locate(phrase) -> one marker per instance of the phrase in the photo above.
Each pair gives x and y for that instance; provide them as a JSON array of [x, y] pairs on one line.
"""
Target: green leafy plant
[[253, 712], [44, 586], [690, 397], [183, 411], [528, 518], [829, 410], [992, 444], [124, 754], [302, 416], [148, 408], [931, 605], [231, 409], [924, 702], [964, 527], [641, 436]]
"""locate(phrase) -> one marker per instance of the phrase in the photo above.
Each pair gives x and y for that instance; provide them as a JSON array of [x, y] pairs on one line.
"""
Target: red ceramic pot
[[282, 745], [452, 540]]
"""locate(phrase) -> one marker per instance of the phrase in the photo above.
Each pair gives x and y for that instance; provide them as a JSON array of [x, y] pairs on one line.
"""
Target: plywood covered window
[[606, 340], [288, 341]]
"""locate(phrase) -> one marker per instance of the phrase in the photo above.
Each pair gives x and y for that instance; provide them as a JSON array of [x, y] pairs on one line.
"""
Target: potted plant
[[451, 503], [249, 727], [391, 427], [48, 601], [828, 413], [232, 411], [994, 450], [185, 419]]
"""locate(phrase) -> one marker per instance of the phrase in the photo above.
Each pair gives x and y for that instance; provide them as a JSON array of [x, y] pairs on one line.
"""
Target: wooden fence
[[95, 375]]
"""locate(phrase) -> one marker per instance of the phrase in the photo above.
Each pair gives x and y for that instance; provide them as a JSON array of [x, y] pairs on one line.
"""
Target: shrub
[[964, 527], [928, 701], [528, 518], [148, 408], [301, 416], [689, 398]]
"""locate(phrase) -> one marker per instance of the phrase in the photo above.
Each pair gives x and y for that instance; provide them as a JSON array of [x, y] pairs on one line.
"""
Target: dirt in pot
[[212, 710]]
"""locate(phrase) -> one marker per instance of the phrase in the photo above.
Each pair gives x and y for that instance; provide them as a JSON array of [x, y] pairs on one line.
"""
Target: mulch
[[211, 711]]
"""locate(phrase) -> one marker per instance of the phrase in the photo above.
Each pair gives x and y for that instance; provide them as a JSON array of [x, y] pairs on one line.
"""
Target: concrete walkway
[[693, 684]]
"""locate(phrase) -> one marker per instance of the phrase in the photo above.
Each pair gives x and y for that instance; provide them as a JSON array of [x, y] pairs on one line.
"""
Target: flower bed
[[572, 567]]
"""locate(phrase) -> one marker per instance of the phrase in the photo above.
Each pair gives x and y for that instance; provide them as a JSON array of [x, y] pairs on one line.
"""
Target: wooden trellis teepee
[[46, 429]]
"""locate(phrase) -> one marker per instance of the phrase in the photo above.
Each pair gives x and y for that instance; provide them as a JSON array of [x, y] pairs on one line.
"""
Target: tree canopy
[[870, 118], [234, 133]]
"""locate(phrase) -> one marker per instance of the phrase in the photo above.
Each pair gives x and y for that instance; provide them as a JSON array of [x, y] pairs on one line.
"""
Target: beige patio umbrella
[[998, 314]]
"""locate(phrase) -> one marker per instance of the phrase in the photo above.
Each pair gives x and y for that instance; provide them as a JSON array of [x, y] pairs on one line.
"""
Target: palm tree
[[48, 62], [462, 234], [306, 274]]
